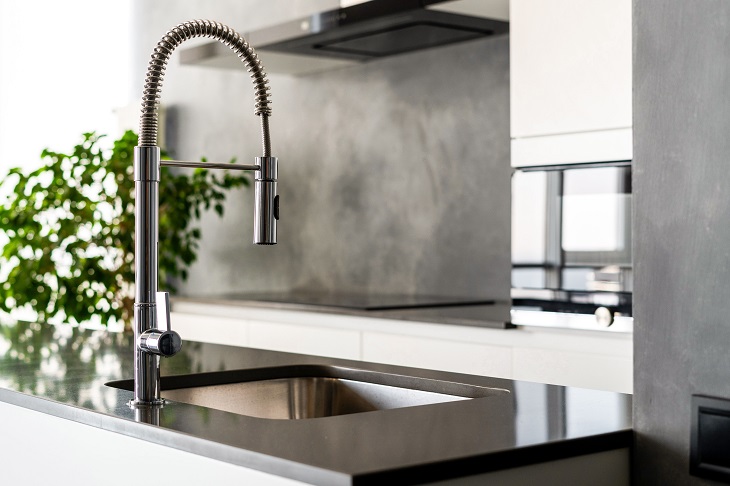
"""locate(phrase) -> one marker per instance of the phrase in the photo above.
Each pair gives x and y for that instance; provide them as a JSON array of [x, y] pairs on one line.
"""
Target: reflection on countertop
[[62, 370]]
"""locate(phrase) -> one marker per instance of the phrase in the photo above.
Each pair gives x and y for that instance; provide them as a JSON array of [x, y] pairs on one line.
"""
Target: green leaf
[[68, 229]]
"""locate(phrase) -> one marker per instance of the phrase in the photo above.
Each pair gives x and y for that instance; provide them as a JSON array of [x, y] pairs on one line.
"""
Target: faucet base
[[136, 404]]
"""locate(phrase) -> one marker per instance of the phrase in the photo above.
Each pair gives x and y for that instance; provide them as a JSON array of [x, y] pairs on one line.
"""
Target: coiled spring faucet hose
[[148, 123]]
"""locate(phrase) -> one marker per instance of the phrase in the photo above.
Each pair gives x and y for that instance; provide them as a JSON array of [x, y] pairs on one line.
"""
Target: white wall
[[65, 66]]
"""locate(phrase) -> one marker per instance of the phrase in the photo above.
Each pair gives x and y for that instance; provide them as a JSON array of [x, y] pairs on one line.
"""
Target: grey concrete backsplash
[[394, 175]]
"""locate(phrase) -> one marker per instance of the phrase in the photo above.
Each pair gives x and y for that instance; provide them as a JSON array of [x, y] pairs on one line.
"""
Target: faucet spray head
[[266, 204]]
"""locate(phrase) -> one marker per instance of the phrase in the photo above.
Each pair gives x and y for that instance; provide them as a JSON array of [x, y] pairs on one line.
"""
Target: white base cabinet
[[587, 359], [38, 448]]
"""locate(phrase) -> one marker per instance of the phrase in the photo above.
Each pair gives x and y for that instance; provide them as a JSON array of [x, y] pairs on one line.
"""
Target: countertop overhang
[[62, 371]]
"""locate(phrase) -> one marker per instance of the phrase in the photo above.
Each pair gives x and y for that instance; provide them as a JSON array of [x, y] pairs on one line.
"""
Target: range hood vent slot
[[362, 32], [401, 39]]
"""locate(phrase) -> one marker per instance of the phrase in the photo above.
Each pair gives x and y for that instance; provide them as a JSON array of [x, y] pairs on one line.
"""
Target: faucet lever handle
[[162, 341], [163, 311]]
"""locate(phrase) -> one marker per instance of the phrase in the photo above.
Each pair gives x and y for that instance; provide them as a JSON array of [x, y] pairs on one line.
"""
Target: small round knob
[[604, 316]]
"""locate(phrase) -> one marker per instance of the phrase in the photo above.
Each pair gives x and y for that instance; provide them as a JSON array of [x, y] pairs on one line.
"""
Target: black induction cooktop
[[361, 301]]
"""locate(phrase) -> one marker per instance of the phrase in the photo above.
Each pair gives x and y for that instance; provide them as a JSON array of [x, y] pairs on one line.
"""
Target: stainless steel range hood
[[362, 32]]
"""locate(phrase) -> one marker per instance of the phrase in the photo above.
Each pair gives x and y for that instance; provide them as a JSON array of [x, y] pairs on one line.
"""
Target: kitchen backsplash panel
[[394, 175]]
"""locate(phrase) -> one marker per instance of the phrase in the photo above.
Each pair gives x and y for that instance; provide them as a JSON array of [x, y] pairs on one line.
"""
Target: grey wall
[[682, 230], [394, 176]]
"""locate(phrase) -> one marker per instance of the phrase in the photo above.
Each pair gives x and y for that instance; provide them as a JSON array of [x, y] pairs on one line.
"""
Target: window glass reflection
[[596, 210], [529, 217], [528, 278], [571, 237]]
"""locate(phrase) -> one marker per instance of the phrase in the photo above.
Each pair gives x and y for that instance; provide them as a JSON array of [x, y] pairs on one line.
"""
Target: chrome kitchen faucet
[[153, 336]]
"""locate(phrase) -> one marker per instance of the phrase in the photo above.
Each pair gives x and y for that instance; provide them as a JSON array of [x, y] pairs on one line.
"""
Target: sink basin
[[311, 391], [304, 397]]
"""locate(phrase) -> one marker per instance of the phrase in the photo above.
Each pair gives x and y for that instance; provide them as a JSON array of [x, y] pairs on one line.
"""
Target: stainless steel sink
[[311, 391], [302, 398]]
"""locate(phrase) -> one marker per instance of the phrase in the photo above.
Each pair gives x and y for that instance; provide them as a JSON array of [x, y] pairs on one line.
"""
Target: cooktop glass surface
[[361, 301]]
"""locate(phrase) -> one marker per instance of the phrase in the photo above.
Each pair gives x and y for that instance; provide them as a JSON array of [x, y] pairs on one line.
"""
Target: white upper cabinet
[[570, 74]]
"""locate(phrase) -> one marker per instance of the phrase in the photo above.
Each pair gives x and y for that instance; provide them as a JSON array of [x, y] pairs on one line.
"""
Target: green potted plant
[[67, 230]]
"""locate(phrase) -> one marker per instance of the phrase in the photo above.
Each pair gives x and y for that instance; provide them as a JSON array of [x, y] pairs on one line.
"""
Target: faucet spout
[[153, 336]]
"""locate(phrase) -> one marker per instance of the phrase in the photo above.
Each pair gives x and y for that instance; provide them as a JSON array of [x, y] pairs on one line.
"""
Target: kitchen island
[[58, 417]]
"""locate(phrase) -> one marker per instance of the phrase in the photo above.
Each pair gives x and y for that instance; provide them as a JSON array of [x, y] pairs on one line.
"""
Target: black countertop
[[63, 370]]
